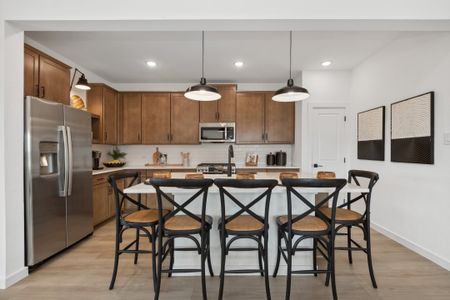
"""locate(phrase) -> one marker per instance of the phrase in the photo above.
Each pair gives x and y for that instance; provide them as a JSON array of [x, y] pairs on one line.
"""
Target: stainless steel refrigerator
[[58, 177]]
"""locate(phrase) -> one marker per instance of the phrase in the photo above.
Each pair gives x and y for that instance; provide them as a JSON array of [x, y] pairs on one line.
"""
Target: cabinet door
[[54, 80], [250, 118], [279, 121], [109, 116], [131, 118], [31, 73], [184, 120], [100, 203], [208, 111], [156, 118], [227, 104]]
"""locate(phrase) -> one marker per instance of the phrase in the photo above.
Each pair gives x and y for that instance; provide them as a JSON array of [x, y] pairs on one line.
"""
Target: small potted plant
[[116, 155]]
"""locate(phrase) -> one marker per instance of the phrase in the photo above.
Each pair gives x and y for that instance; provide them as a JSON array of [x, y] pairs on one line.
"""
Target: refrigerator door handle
[[63, 192], [70, 160]]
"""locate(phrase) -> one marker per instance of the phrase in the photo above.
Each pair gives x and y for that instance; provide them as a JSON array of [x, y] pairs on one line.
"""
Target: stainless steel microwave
[[217, 132]]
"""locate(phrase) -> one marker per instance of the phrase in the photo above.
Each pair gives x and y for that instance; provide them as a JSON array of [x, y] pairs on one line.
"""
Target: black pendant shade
[[202, 91], [82, 82], [291, 92]]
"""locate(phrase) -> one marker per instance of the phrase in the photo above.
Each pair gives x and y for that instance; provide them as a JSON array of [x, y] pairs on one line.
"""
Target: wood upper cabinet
[[250, 117], [103, 101], [45, 77], [223, 110], [31, 73], [184, 119], [279, 121], [130, 109], [156, 118]]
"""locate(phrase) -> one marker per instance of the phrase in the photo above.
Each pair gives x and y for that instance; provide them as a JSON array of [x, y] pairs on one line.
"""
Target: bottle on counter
[[156, 157]]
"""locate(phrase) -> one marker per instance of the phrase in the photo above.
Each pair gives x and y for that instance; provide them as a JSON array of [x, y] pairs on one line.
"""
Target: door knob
[[317, 166]]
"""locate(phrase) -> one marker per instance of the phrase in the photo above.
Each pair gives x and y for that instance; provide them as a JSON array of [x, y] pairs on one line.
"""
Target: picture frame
[[251, 159], [412, 129], [371, 134]]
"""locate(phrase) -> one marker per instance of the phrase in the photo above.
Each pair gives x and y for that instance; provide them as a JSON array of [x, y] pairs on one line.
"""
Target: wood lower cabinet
[[103, 102], [100, 199], [223, 110], [250, 118], [184, 120], [279, 121], [130, 118], [156, 118], [45, 77]]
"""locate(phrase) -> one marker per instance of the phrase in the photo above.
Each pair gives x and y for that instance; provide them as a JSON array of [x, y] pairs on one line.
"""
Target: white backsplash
[[139, 155]]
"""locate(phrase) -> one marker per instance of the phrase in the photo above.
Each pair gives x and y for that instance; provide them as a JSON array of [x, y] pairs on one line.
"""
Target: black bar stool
[[244, 226], [347, 218], [182, 223], [307, 226], [140, 218]]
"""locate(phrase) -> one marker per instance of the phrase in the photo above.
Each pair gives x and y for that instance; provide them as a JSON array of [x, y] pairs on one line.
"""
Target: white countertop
[[178, 167], [143, 188]]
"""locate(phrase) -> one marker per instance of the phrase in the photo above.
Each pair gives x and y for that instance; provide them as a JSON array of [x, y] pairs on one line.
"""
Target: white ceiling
[[120, 57]]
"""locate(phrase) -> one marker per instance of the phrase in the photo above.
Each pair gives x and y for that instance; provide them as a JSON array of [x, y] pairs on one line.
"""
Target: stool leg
[[116, 258], [315, 256], [289, 266], [260, 259], [329, 249], [137, 246], [349, 244], [222, 264], [369, 256], [172, 256], [266, 265], [208, 257], [159, 264], [154, 237], [203, 261], [333, 274], [277, 264]]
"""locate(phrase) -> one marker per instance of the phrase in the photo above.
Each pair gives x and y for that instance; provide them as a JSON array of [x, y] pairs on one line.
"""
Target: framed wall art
[[412, 130], [371, 134]]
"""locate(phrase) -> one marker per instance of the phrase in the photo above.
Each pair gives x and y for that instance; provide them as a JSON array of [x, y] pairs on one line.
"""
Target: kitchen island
[[242, 260]]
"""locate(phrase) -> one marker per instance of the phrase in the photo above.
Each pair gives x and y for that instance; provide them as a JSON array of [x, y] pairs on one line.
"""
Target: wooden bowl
[[114, 165], [289, 175], [194, 176], [162, 175], [245, 176]]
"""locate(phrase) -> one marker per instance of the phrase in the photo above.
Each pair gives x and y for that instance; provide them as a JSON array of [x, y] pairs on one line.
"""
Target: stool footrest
[[243, 271]]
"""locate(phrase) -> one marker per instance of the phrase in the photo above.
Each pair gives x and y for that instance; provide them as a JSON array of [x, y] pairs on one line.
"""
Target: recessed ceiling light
[[239, 64], [151, 63], [326, 63]]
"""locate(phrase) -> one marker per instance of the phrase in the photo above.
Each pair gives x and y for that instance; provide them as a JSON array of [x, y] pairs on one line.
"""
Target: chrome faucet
[[230, 155]]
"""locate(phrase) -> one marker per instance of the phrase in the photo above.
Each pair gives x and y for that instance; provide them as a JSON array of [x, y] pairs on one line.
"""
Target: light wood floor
[[84, 272]]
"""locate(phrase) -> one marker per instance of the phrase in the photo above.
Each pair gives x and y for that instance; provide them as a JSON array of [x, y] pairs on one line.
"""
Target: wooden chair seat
[[185, 223], [144, 216], [326, 175], [285, 175], [342, 214], [162, 175], [245, 176], [307, 224], [194, 176], [243, 223]]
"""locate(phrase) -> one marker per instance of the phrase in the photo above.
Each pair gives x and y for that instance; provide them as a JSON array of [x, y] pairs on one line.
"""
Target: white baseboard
[[437, 259], [13, 278]]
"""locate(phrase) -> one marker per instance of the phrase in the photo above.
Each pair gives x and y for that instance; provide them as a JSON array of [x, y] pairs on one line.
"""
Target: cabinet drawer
[[99, 179]]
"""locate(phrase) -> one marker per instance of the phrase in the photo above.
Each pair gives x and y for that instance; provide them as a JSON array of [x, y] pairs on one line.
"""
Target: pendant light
[[202, 91], [82, 82], [291, 92]]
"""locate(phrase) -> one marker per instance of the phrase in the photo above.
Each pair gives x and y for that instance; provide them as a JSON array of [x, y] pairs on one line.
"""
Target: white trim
[[428, 254], [13, 278]]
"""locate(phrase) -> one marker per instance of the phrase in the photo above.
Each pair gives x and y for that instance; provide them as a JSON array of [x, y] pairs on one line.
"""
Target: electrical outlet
[[447, 138]]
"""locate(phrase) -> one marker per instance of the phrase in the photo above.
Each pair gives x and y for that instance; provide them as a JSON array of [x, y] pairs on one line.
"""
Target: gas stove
[[215, 168]]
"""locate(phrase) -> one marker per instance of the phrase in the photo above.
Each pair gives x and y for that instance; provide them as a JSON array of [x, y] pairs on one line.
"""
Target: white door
[[328, 140]]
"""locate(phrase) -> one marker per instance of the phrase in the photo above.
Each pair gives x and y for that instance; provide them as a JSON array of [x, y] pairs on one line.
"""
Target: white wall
[[329, 89], [411, 201]]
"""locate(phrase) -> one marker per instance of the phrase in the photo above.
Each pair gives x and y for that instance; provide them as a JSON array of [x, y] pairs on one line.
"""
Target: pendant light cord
[[203, 54], [290, 55]]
